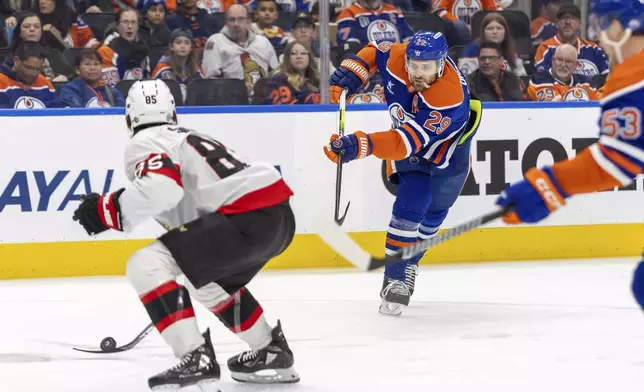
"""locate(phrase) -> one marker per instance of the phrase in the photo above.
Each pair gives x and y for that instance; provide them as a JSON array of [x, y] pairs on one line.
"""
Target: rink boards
[[53, 156]]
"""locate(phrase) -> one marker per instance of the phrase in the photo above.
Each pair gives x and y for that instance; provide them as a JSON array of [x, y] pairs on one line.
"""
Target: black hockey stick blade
[[338, 175], [125, 347], [340, 241]]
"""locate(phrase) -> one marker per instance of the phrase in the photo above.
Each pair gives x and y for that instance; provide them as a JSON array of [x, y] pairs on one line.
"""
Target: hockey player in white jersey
[[226, 218]]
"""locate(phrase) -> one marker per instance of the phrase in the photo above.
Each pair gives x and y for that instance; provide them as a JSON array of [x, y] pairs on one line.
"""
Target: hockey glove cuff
[[534, 198], [350, 147], [352, 73], [98, 213]]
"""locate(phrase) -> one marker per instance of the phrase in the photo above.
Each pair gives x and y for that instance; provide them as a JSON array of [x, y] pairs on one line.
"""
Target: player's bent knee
[[147, 270], [638, 284], [209, 295]]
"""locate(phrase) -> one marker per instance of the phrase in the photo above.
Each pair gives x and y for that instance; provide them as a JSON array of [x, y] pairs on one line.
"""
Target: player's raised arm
[[353, 72]]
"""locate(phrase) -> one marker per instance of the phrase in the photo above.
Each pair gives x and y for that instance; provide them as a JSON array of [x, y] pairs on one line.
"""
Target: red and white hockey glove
[[98, 213]]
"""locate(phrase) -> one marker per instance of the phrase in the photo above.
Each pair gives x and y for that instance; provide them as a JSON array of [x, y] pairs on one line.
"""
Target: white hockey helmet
[[149, 102]]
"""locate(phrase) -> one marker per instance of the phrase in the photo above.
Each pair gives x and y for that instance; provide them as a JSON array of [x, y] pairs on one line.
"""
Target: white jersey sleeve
[[153, 165]]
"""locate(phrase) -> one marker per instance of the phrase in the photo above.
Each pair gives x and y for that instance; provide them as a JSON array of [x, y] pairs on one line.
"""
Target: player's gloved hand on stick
[[534, 198], [98, 213], [351, 74], [350, 147]]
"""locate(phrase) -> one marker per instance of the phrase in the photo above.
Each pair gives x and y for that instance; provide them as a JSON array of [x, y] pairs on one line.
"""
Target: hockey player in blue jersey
[[618, 155], [427, 150]]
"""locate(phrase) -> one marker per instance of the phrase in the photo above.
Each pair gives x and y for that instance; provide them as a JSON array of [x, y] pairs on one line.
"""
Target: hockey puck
[[108, 343]]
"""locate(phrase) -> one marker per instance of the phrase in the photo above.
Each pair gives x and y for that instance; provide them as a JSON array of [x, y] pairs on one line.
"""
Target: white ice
[[520, 327]]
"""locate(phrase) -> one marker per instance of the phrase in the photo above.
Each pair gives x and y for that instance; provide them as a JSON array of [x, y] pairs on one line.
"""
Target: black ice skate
[[197, 367], [270, 365], [395, 295]]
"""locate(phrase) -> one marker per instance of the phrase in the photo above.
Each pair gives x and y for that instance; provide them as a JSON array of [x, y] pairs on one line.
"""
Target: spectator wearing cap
[[87, 90], [591, 59], [237, 52], [491, 82], [21, 84], [190, 17], [561, 83], [545, 25], [181, 64], [153, 30], [265, 16], [303, 31]]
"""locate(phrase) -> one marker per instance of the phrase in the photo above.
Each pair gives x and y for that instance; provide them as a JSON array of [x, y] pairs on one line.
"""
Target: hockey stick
[[108, 345], [340, 241], [338, 173]]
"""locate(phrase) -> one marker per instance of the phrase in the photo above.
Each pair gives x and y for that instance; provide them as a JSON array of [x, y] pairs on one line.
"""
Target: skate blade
[[391, 308], [208, 386], [167, 388], [268, 376]]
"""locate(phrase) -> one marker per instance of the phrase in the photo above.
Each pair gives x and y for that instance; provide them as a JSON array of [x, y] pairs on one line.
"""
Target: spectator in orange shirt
[[560, 82]]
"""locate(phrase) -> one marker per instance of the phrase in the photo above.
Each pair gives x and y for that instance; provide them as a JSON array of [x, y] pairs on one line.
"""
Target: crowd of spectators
[[86, 53]]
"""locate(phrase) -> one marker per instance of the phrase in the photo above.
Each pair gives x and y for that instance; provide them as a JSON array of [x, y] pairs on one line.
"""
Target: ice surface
[[520, 327]]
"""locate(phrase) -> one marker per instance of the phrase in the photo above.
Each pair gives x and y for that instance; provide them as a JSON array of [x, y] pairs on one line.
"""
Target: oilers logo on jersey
[[398, 115], [586, 68], [96, 103], [382, 30], [29, 103], [576, 94], [465, 9]]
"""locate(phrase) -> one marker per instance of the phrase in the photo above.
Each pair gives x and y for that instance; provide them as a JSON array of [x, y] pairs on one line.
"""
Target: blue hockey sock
[[638, 284]]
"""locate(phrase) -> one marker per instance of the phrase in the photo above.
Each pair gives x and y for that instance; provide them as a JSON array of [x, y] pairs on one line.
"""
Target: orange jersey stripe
[[414, 136], [619, 160], [441, 153], [399, 244]]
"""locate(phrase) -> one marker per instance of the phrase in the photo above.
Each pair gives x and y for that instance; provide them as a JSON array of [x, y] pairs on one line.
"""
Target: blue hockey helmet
[[428, 45], [630, 13]]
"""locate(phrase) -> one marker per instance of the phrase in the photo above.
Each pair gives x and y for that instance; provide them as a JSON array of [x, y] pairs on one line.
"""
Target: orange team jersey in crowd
[[618, 155], [464, 9], [542, 28], [545, 87], [81, 35], [214, 6], [428, 124], [15, 95]]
